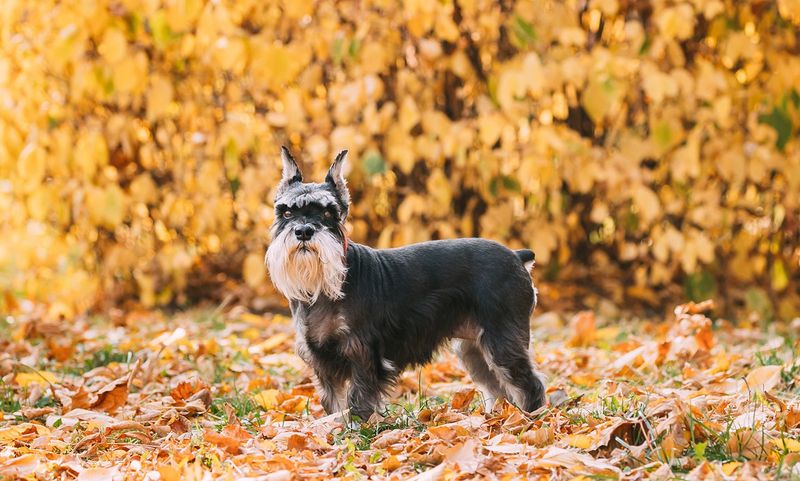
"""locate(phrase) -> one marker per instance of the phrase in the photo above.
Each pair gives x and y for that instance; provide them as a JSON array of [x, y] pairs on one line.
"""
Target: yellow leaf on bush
[[253, 270]]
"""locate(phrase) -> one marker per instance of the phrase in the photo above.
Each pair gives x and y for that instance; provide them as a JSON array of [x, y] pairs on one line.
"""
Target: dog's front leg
[[364, 395], [330, 383]]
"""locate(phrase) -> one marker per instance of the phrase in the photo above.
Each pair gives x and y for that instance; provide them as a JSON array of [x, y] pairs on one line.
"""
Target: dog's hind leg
[[474, 362], [507, 356]]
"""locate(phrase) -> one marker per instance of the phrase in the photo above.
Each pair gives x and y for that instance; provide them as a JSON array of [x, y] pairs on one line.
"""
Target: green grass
[[396, 416], [244, 407], [8, 402], [102, 357]]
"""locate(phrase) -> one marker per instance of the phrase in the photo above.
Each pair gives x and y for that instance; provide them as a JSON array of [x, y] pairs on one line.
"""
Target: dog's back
[[476, 267]]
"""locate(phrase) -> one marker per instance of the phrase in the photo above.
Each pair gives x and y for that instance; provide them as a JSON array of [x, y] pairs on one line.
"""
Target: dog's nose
[[304, 232]]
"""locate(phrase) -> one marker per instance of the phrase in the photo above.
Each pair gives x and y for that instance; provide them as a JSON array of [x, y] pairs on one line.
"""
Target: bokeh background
[[646, 151]]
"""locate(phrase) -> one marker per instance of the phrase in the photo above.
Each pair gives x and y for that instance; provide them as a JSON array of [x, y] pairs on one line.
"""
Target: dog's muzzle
[[304, 232]]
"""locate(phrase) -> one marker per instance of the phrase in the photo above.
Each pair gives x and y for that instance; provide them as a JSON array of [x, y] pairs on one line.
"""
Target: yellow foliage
[[651, 144]]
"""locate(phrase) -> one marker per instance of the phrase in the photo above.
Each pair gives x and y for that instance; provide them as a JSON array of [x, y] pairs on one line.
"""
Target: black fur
[[401, 305]]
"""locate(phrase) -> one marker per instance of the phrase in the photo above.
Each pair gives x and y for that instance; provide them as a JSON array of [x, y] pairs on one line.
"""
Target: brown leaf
[[80, 399], [203, 396], [112, 396], [230, 439], [296, 442], [60, 350], [169, 473], [465, 456], [33, 413], [21, 466], [184, 390], [462, 398], [391, 463], [543, 436], [584, 328], [98, 474]]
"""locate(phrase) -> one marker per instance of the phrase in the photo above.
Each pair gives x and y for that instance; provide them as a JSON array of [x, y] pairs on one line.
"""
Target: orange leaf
[[169, 473], [462, 398], [20, 466], [584, 329], [391, 463], [762, 378], [581, 441], [186, 389], [230, 439], [113, 396], [296, 442]]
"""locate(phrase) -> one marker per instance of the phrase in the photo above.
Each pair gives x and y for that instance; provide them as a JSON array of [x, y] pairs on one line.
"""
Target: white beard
[[305, 274]]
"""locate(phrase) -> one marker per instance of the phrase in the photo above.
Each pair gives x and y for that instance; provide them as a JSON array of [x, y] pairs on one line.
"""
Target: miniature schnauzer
[[363, 315]]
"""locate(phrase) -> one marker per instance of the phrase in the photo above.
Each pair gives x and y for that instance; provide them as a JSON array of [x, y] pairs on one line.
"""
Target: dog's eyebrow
[[322, 198]]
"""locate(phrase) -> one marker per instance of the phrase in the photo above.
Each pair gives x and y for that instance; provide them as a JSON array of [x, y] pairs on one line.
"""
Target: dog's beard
[[305, 270]]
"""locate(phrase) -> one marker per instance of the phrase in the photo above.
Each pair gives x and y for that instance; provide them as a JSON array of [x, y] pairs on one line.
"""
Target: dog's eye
[[287, 214], [327, 215]]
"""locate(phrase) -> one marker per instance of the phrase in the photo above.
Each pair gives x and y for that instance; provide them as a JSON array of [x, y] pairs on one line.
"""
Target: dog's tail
[[527, 257]]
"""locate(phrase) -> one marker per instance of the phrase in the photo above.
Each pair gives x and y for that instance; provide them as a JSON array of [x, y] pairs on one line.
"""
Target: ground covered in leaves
[[220, 395]]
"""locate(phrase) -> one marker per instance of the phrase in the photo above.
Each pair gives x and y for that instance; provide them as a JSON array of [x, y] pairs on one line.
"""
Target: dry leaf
[[462, 398], [763, 378], [583, 328], [98, 474], [112, 396], [230, 438], [21, 466]]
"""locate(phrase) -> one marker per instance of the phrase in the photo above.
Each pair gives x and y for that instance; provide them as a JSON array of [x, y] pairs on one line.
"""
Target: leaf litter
[[200, 396]]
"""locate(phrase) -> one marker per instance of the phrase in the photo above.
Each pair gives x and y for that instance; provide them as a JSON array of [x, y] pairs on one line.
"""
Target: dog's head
[[306, 257]]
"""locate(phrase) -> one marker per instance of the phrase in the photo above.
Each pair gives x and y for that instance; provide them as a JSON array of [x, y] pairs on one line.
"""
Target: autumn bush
[[647, 149]]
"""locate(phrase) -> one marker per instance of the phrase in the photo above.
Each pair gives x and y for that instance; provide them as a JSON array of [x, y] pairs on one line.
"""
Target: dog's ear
[[335, 178], [291, 172]]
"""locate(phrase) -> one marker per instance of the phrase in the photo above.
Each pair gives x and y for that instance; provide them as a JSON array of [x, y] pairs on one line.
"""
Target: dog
[[363, 315]]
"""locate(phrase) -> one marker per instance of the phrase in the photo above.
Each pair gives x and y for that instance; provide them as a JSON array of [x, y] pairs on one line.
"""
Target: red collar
[[345, 240]]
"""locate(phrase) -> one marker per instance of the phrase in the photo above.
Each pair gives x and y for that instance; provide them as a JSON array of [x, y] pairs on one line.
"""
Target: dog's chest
[[320, 325]]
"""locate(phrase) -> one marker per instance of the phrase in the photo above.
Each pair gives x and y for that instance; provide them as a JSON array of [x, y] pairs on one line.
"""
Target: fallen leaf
[[464, 455], [462, 398], [787, 445], [267, 399], [21, 466], [448, 432], [271, 343], [186, 389], [33, 413], [21, 432], [581, 441], [538, 437], [112, 396], [583, 329], [169, 473], [296, 442], [433, 474], [98, 474], [729, 468], [763, 378], [230, 438], [26, 379], [391, 463]]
